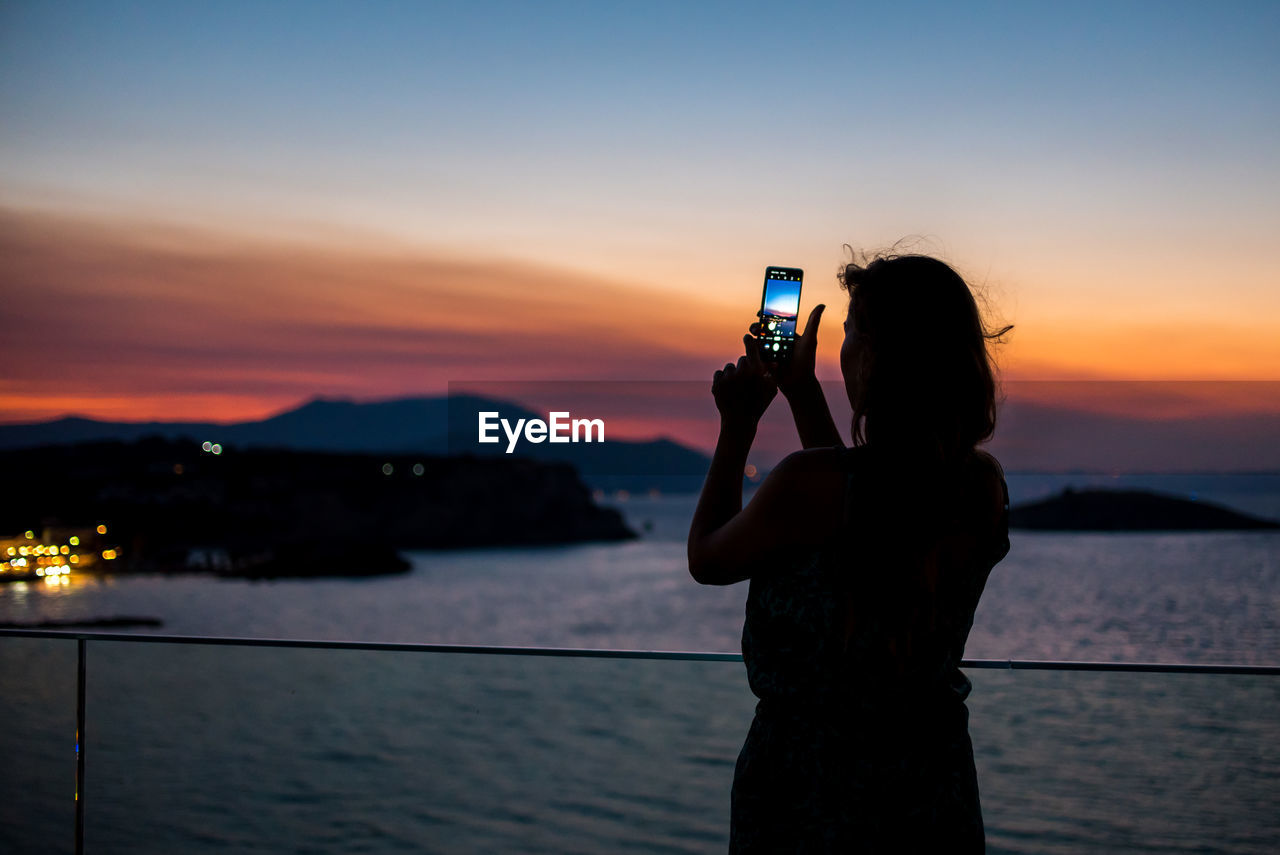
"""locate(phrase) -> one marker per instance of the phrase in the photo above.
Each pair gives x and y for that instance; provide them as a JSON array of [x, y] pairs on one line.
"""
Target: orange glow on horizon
[[19, 409], [1168, 350], [150, 326]]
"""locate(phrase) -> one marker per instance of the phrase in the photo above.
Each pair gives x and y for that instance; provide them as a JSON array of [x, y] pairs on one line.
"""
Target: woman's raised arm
[[726, 541], [799, 385]]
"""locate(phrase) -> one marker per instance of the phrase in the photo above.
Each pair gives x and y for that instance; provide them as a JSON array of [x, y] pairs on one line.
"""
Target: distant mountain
[[1031, 437], [409, 424], [1038, 437], [427, 425]]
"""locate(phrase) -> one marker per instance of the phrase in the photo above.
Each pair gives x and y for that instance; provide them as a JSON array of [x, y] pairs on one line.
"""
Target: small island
[[1129, 510], [175, 506]]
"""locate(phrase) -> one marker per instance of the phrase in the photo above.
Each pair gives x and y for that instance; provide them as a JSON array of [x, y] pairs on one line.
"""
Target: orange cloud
[[122, 320], [1168, 349], [104, 319]]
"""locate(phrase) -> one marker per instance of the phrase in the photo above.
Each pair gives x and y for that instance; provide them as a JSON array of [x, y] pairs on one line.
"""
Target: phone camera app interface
[[778, 315]]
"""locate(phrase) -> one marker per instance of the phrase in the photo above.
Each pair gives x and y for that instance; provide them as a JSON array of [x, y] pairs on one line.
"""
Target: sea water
[[197, 749]]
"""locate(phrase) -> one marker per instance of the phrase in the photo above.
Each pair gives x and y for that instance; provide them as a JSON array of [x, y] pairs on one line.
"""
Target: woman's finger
[[753, 352], [815, 317]]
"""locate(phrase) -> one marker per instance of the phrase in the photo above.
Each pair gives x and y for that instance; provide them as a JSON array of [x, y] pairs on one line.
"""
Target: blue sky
[[464, 121], [1109, 171]]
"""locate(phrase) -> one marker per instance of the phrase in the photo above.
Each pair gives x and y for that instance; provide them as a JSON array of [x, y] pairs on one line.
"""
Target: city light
[[216, 448], [387, 469], [50, 560], [206, 446]]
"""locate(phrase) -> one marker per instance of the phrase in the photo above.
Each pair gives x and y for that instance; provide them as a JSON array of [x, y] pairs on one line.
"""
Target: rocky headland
[[172, 506], [1129, 510]]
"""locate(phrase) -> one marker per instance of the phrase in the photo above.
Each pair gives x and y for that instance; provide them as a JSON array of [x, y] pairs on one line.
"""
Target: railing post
[[80, 745]]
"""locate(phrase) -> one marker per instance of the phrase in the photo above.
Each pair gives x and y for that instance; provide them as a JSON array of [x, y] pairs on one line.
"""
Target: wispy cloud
[[120, 312]]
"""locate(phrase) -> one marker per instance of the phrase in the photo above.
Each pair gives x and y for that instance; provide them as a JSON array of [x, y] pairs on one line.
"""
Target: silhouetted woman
[[865, 565]]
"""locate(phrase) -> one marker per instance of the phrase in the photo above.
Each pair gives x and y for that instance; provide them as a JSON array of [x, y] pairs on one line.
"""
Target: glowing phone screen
[[778, 311]]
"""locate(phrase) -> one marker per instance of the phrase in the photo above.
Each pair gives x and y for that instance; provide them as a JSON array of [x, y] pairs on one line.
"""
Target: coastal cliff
[[172, 506]]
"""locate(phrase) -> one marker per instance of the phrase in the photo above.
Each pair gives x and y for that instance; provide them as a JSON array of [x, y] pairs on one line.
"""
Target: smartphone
[[779, 309]]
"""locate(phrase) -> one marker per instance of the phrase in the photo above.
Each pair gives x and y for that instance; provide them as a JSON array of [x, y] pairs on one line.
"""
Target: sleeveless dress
[[849, 750]]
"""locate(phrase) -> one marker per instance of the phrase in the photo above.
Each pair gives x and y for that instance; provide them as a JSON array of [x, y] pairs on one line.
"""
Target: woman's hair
[[924, 379], [923, 388]]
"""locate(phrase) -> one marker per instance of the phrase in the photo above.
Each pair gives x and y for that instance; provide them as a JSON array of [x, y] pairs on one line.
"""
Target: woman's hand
[[744, 391], [798, 373]]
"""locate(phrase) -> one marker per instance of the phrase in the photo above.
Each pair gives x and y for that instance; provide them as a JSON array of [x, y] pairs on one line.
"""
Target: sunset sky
[[217, 211]]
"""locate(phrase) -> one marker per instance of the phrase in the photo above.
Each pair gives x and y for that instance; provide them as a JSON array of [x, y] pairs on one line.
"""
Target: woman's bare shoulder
[[806, 489], [813, 471], [815, 459]]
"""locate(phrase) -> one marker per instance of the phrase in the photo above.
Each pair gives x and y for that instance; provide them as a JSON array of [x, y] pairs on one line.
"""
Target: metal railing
[[82, 640], [605, 653]]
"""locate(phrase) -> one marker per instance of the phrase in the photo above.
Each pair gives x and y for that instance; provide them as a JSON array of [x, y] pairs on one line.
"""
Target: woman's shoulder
[[805, 490], [973, 482], [810, 460], [813, 475]]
